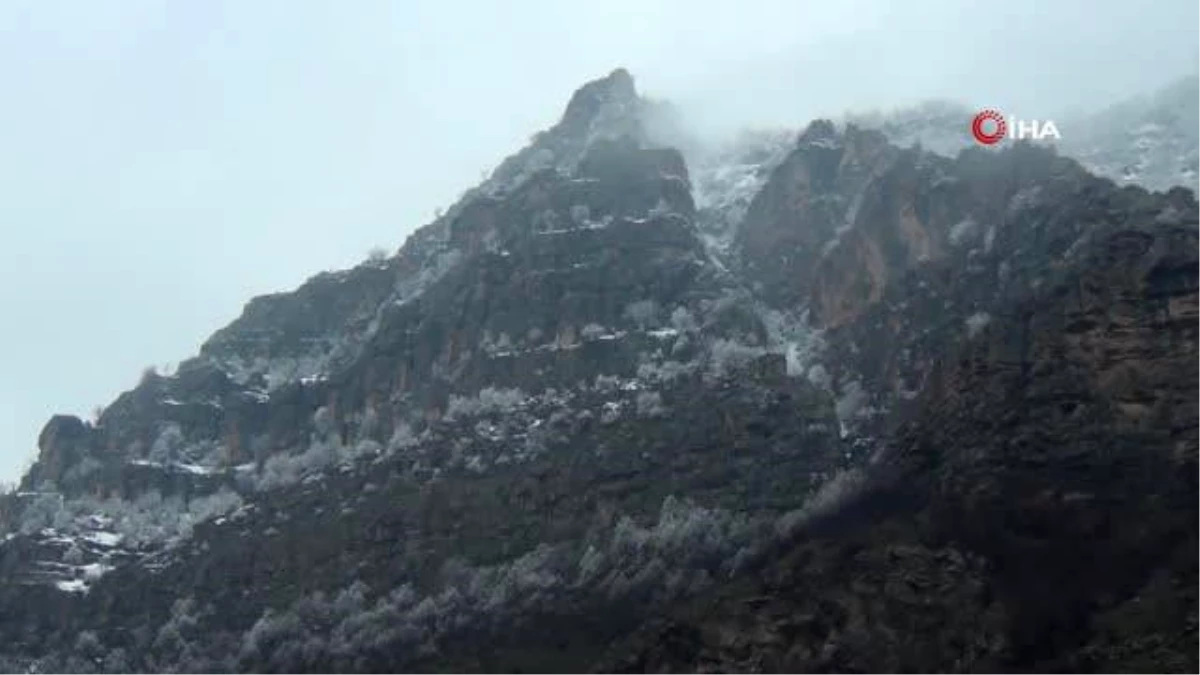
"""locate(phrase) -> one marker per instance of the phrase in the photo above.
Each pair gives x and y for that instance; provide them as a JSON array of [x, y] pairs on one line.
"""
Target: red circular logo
[[988, 127]]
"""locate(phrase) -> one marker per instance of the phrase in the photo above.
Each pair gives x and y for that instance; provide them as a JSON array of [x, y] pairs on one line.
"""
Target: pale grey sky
[[162, 162]]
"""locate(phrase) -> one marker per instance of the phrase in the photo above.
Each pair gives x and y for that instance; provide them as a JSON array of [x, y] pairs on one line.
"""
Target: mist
[[164, 162]]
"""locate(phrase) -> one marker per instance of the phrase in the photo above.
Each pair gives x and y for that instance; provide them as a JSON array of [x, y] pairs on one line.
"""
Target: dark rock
[[63, 442]]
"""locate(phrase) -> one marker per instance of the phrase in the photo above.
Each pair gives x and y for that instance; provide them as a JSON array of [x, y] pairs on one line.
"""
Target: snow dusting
[[72, 586], [726, 178]]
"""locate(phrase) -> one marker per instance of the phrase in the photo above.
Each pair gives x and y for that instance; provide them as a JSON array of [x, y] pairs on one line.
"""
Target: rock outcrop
[[1036, 514]]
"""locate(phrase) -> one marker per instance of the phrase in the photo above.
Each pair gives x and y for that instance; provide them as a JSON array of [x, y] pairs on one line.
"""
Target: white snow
[[72, 586], [845, 226], [827, 143], [107, 539], [555, 347], [1024, 199], [963, 231], [94, 571], [851, 404], [792, 335], [194, 469], [98, 521], [818, 376], [725, 179], [1150, 140], [587, 226]]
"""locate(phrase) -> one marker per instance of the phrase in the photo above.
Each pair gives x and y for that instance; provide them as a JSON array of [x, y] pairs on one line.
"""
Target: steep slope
[[820, 401], [524, 395], [1153, 140], [1037, 512]]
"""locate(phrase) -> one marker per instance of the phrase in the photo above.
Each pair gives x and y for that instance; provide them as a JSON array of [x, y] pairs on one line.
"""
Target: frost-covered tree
[[179, 629], [606, 383], [727, 355], [851, 402], [217, 504], [580, 213], [643, 313], [149, 374], [166, 447], [683, 321], [44, 510], [665, 371], [323, 422], [73, 554], [82, 469], [287, 469], [592, 331], [150, 519], [402, 438], [649, 404], [977, 322], [89, 647], [489, 400], [116, 661], [377, 254]]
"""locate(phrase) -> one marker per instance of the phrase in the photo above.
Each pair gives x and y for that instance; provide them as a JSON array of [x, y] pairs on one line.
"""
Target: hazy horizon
[[166, 162]]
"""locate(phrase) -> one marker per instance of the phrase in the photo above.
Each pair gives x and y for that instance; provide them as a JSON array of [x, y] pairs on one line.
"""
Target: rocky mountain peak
[[614, 92], [818, 131], [605, 109]]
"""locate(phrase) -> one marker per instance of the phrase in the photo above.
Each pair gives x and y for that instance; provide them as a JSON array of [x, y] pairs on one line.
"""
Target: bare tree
[[377, 254]]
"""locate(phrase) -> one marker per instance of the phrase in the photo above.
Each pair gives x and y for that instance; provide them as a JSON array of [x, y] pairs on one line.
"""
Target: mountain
[[810, 401], [1149, 140]]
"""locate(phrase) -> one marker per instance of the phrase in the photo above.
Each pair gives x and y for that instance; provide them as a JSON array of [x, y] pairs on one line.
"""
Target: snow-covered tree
[[643, 313]]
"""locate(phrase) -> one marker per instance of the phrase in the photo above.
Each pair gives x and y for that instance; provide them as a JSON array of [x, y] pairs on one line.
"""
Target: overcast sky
[[162, 162]]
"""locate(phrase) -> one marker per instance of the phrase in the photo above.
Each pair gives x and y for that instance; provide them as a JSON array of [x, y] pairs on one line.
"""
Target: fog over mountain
[[164, 162], [516, 339]]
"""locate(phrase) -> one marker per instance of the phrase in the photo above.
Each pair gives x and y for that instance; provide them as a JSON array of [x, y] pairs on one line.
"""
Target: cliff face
[[816, 403], [1037, 511]]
